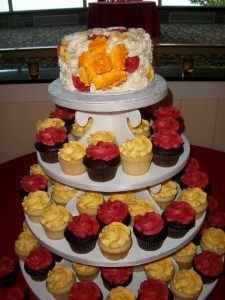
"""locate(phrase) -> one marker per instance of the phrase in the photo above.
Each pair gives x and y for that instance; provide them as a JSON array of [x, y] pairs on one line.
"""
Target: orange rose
[[101, 63], [118, 55], [98, 44], [109, 79]]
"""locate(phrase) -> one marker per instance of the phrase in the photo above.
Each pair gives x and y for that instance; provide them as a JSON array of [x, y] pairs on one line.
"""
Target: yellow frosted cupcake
[[115, 240], [197, 198], [213, 239], [186, 285], [24, 244], [139, 207], [60, 281], [62, 194], [162, 269], [88, 203], [142, 129], [48, 122], [34, 205], [70, 158], [125, 197], [136, 155], [54, 220], [78, 131], [85, 272], [166, 195], [36, 169], [184, 256], [101, 136], [120, 293]]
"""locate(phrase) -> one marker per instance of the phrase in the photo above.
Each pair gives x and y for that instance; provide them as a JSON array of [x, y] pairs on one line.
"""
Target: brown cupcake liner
[[49, 157], [104, 175]]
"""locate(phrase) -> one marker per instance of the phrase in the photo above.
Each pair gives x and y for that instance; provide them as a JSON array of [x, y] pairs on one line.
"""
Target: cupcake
[[113, 211], [62, 194], [166, 195], [115, 241], [88, 203], [140, 207], [70, 158], [114, 277], [65, 114], [102, 161], [167, 111], [165, 123], [213, 239], [24, 244], [213, 204], [194, 179], [216, 219], [49, 122], [13, 293], [49, 141], [32, 183], [78, 131], [85, 290], [136, 155], [37, 169], [82, 233], [122, 293], [101, 136], [167, 147], [9, 271], [192, 165], [34, 205], [38, 262], [162, 270], [209, 265], [54, 221], [186, 285], [154, 289], [197, 198], [59, 282], [150, 231], [185, 255], [179, 217], [125, 197], [142, 129], [85, 272]]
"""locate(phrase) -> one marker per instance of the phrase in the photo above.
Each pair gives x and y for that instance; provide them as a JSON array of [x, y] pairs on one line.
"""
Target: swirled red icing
[[112, 211], [85, 290], [7, 265], [153, 289], [195, 179], [63, 113], [33, 182], [84, 225], [13, 293], [216, 218], [209, 263], [167, 139], [51, 136], [167, 123], [167, 111], [102, 150], [150, 223], [39, 258], [192, 165], [117, 275], [213, 204], [179, 211]]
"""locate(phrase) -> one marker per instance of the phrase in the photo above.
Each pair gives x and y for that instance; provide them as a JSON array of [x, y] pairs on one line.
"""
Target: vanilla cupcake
[[166, 195], [85, 272], [88, 203], [197, 198], [101, 136], [48, 122], [115, 241], [185, 255], [70, 158], [139, 207], [162, 269], [142, 129], [60, 281], [121, 293], [186, 285], [34, 205], [62, 194], [213, 239], [54, 221], [125, 197], [78, 131], [136, 155], [24, 244]]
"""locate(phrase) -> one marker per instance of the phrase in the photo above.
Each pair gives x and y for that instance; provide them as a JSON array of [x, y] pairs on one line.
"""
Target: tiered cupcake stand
[[111, 112]]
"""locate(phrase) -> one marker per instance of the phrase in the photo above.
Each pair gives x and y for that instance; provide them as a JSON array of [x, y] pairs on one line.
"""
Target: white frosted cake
[[106, 60]]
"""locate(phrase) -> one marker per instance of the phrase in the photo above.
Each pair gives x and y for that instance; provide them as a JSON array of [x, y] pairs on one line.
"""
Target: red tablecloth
[[135, 14], [12, 216]]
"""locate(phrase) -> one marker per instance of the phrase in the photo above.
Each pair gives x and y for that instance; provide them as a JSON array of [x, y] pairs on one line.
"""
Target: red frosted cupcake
[[33, 183], [150, 231], [113, 277], [154, 289], [213, 204], [194, 179], [39, 261], [49, 141], [209, 265], [13, 293], [167, 148], [65, 114], [82, 233], [101, 161], [113, 211], [216, 219], [85, 290], [167, 111], [193, 165], [9, 271], [165, 123], [179, 217]]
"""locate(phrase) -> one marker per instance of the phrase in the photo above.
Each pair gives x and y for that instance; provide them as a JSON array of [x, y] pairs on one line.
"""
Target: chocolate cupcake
[[113, 277], [85, 290], [33, 183], [216, 219], [154, 289], [9, 271], [13, 293], [101, 161], [179, 217], [82, 233], [194, 179], [65, 114]]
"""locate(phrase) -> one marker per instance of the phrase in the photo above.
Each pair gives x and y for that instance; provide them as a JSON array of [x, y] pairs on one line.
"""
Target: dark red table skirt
[[12, 216]]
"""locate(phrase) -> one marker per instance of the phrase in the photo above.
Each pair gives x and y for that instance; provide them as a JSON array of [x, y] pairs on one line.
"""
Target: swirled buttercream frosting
[[54, 216], [85, 290], [49, 122], [153, 289], [195, 179], [167, 139], [101, 136], [89, 200], [103, 151], [84, 225], [167, 111], [140, 146], [39, 258], [165, 123], [51, 136], [162, 269], [59, 277], [140, 207], [112, 211], [116, 275], [34, 182], [179, 211], [149, 224], [36, 200], [72, 151]]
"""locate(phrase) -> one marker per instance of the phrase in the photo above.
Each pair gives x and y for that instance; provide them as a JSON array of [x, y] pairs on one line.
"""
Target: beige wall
[[202, 106]]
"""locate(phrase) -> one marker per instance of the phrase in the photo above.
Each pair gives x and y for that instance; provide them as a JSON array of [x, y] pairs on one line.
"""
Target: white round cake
[[106, 60]]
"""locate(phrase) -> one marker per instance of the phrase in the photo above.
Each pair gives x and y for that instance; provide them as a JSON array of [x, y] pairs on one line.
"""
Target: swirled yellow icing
[[196, 197], [59, 277], [63, 192], [26, 242], [55, 215], [140, 146], [115, 235], [89, 200], [143, 127], [140, 207], [103, 136], [78, 130], [48, 122], [120, 293], [161, 269], [123, 197], [36, 169], [189, 249], [36, 200], [214, 239], [187, 282], [84, 268], [168, 190], [72, 151]]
